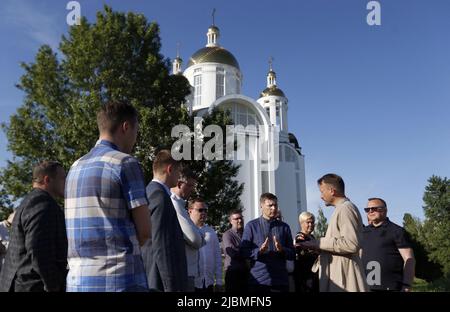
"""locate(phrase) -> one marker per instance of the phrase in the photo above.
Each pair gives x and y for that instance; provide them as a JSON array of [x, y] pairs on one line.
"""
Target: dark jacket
[[234, 261], [36, 259], [166, 263], [305, 280]]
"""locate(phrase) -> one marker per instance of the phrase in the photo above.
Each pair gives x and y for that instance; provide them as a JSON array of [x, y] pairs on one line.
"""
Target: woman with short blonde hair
[[305, 280], [305, 215]]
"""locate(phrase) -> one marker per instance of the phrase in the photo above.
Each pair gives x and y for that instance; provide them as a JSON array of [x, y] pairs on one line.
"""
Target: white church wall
[[246, 175], [208, 73], [288, 181], [303, 205], [286, 190]]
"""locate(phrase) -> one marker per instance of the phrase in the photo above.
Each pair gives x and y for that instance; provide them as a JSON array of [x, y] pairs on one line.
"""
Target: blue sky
[[371, 103]]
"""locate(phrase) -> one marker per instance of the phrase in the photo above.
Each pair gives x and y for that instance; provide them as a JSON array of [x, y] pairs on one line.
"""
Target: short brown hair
[[379, 199], [186, 173], [334, 180], [268, 196], [162, 160], [234, 211], [111, 115], [194, 200], [45, 168]]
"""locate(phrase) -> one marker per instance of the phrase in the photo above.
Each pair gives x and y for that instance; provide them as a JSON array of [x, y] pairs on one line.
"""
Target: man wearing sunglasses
[[387, 254], [236, 272], [210, 260]]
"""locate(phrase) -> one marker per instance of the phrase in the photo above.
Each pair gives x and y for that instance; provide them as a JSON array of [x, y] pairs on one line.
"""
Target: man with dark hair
[[236, 272], [36, 259], [267, 244], [193, 238], [387, 254], [165, 258], [106, 209], [210, 264], [113, 115], [339, 266], [334, 181]]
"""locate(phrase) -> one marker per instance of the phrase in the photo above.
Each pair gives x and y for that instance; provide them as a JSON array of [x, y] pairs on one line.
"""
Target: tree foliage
[[116, 58], [437, 221], [425, 268], [322, 224], [5, 205], [431, 238]]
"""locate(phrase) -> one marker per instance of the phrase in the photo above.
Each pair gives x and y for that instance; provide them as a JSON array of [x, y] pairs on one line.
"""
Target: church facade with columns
[[216, 81]]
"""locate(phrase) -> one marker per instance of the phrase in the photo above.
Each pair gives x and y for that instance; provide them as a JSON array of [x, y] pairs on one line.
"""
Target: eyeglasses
[[202, 210], [377, 209], [235, 219]]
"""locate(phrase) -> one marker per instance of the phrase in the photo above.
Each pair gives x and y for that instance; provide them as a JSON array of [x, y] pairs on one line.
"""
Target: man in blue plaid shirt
[[106, 209]]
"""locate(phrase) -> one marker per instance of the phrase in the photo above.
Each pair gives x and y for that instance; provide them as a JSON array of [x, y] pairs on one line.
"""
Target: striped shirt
[[102, 188]]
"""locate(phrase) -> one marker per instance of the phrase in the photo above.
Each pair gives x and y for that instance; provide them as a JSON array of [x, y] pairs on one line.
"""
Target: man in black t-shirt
[[386, 251]]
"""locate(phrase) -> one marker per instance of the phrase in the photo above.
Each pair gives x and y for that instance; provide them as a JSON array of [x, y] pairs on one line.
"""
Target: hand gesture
[[264, 246], [312, 244], [301, 237], [278, 246]]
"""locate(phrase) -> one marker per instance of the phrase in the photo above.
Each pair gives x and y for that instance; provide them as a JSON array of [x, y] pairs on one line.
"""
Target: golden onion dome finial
[[271, 89]]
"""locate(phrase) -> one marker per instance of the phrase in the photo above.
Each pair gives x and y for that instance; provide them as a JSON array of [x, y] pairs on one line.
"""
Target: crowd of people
[[116, 234]]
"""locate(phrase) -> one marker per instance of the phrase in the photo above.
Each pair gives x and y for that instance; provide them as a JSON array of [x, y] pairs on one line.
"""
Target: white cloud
[[36, 23]]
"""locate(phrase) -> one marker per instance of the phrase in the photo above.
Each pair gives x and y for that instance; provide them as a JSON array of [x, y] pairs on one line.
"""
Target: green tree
[[425, 269], [116, 58], [436, 227], [5, 205], [322, 224]]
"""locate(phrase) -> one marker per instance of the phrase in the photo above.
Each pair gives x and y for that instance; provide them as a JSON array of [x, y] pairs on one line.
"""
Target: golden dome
[[274, 90], [213, 55], [213, 28]]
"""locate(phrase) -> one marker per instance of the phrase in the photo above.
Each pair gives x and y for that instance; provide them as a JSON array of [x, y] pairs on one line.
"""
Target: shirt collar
[[166, 188], [236, 231], [341, 200], [268, 221], [176, 196], [384, 224], [107, 143]]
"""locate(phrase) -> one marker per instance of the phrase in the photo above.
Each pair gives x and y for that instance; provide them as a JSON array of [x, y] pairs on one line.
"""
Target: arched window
[[242, 115], [220, 82], [197, 87]]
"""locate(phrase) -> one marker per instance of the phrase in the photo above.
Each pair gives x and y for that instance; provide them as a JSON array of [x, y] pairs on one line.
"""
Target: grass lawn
[[441, 284]]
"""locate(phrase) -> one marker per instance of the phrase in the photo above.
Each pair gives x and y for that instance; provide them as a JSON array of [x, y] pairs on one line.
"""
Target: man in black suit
[[36, 259], [165, 256]]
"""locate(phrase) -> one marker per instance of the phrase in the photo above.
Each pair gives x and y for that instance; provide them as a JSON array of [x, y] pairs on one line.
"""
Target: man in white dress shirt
[[192, 236], [210, 278]]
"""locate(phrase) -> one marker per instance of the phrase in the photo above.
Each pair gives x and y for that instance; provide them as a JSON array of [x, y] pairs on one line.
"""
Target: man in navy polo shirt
[[386, 251]]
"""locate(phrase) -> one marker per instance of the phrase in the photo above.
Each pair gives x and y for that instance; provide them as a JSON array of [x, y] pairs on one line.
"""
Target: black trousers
[[268, 289], [236, 281]]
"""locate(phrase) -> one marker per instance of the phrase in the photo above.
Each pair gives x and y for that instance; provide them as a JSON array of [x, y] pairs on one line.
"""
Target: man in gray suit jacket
[[165, 256]]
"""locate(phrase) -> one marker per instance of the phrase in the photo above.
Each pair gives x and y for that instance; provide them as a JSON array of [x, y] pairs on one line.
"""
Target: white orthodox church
[[216, 81]]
